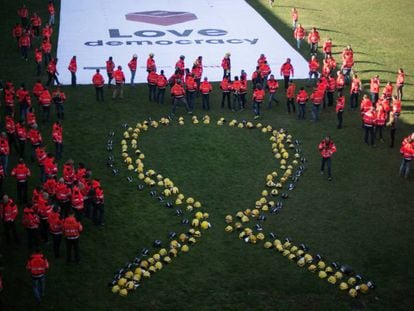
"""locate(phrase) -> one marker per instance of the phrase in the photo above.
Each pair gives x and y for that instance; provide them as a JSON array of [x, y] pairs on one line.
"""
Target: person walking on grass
[[327, 148], [37, 266]]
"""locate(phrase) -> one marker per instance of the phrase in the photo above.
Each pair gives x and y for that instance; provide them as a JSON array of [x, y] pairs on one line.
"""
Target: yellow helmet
[[123, 292]]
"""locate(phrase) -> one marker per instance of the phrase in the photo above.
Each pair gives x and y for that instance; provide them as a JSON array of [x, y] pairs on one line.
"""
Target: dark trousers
[[72, 245], [60, 111], [236, 102], [160, 96], [99, 94], [10, 229], [330, 96], [400, 92], [354, 100], [98, 213], [44, 230], [180, 100], [369, 131], [225, 96], [51, 78], [392, 136], [290, 103], [302, 111], [191, 95], [286, 79], [243, 100], [73, 78], [59, 150], [326, 161], [378, 129], [22, 191], [22, 145], [57, 239], [206, 101], [152, 88], [339, 115], [32, 237], [38, 68], [46, 113]]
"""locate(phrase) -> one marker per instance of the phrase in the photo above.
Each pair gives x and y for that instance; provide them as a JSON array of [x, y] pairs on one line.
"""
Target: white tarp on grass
[[93, 30]]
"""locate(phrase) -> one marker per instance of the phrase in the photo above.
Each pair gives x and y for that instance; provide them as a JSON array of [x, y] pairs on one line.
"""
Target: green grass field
[[362, 218]]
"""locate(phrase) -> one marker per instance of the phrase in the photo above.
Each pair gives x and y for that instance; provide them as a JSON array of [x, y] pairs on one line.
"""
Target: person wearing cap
[[178, 97], [226, 65], [98, 82], [73, 67], [37, 266], [205, 89], [150, 62], [287, 71], [132, 65], [119, 83], [327, 148]]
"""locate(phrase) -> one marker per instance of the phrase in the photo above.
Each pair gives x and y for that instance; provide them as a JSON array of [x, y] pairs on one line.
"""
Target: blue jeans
[[257, 108], [160, 96], [405, 167], [132, 76], [302, 111], [315, 112], [206, 101], [180, 100], [272, 97], [374, 97], [326, 161], [191, 98], [38, 284], [4, 159], [298, 42]]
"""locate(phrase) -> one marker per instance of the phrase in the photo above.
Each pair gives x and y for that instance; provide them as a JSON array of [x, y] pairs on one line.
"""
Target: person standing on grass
[[374, 87], [313, 40], [72, 230], [302, 99], [354, 91], [205, 90], [290, 95], [59, 99], [258, 98], [37, 266], [178, 96], [400, 83], [31, 222], [4, 151], [316, 99], [56, 229], [22, 173], [73, 67], [225, 89], [57, 137], [98, 82], [327, 48], [152, 85], [327, 148], [407, 151], [132, 65], [98, 206], [295, 16], [119, 83], [8, 213], [272, 86], [313, 70], [23, 13], [162, 83], [380, 119], [287, 71], [151, 63], [368, 119], [340, 107], [299, 35]]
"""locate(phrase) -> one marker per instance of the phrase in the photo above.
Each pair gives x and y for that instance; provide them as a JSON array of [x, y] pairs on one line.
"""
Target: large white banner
[[93, 30]]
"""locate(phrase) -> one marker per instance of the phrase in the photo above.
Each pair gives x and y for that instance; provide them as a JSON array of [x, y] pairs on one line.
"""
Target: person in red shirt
[[52, 72], [340, 107], [31, 222], [317, 99], [287, 71], [132, 65], [36, 22], [56, 229], [22, 173], [73, 67], [57, 137], [161, 86], [44, 208], [110, 67], [51, 10], [2, 176], [152, 85], [354, 91], [400, 83], [258, 98], [197, 70], [374, 88], [24, 44], [327, 148], [302, 98], [119, 83], [59, 99], [98, 82], [225, 86], [236, 87], [205, 90], [243, 89], [72, 230], [37, 266], [272, 86], [190, 88], [38, 57], [313, 70], [17, 31], [35, 139], [178, 96], [47, 31], [180, 65], [313, 40], [45, 101], [151, 63], [327, 48], [11, 131], [63, 194], [4, 151], [226, 65], [290, 95], [299, 35], [98, 206], [330, 90], [407, 151], [23, 13], [295, 16], [47, 51], [380, 119], [8, 213], [368, 119]]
